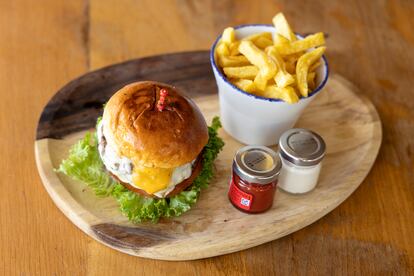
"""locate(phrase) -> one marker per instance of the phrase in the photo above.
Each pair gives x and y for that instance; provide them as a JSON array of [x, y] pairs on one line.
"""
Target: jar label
[[239, 198]]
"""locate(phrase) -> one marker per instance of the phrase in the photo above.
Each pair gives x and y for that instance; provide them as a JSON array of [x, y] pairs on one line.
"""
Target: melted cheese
[[151, 180], [157, 181]]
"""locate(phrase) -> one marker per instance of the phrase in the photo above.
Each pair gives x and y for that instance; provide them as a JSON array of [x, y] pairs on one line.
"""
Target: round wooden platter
[[348, 122]]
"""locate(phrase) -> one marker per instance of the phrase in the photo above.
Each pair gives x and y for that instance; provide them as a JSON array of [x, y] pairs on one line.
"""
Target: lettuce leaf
[[84, 164]]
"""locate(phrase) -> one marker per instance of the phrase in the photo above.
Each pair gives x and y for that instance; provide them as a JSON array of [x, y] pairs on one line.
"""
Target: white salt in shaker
[[301, 152]]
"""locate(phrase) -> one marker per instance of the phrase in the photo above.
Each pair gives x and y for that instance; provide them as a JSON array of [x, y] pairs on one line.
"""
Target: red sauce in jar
[[251, 197], [254, 179]]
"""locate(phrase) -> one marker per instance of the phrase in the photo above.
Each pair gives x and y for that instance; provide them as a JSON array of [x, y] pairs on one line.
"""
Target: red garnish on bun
[[161, 101]]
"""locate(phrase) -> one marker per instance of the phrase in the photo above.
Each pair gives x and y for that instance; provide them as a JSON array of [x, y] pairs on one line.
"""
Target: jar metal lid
[[302, 147], [257, 164]]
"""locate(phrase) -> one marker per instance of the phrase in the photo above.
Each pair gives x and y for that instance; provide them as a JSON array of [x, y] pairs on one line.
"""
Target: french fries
[[259, 35], [222, 50], [260, 82], [302, 69], [233, 61], [280, 41], [310, 41], [234, 48], [311, 80], [286, 94], [259, 58], [263, 42], [228, 36], [244, 72], [279, 66], [282, 77], [243, 84], [314, 66], [282, 27]]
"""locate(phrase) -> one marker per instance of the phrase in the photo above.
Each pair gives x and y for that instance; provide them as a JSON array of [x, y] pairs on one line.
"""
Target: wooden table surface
[[44, 44]]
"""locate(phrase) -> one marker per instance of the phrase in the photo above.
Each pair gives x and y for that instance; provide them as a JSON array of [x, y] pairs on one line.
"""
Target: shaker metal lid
[[302, 147], [257, 164]]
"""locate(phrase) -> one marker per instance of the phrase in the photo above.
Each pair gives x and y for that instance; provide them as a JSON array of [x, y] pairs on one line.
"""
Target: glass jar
[[254, 179], [301, 152]]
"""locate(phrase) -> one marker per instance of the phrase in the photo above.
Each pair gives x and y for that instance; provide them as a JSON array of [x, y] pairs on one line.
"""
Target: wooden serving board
[[348, 122]]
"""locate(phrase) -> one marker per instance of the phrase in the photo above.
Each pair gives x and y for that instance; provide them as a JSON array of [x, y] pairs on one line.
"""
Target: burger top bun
[[137, 129]]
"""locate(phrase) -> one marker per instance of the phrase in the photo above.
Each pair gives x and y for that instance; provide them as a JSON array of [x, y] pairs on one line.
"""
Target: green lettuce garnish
[[84, 164]]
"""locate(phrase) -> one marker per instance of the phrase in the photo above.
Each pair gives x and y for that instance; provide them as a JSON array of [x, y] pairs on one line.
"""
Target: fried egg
[[155, 181]]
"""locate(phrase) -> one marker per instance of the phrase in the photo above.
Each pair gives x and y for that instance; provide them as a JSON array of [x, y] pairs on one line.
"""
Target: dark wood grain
[[78, 104], [129, 237]]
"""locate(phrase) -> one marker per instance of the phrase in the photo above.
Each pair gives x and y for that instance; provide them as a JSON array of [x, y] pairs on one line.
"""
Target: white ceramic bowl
[[255, 120]]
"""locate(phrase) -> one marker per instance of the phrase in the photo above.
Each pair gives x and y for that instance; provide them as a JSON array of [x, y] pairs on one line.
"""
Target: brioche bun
[[169, 138]]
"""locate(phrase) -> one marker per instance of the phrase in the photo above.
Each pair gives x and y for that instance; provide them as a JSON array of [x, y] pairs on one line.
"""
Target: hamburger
[[151, 149]]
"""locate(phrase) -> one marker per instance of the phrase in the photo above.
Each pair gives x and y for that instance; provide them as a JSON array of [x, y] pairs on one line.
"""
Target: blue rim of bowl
[[215, 67]]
